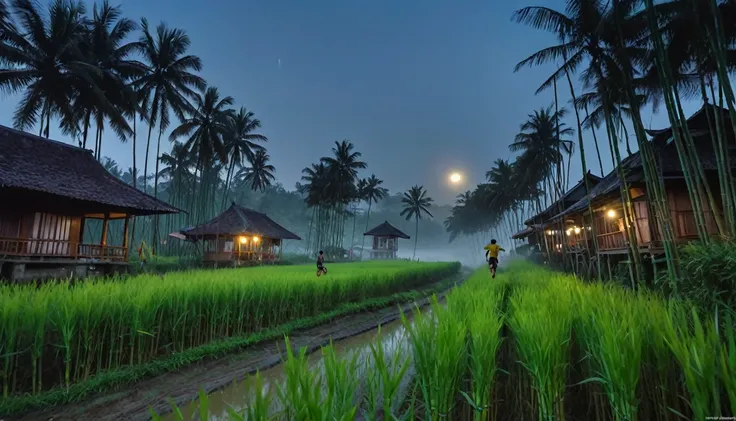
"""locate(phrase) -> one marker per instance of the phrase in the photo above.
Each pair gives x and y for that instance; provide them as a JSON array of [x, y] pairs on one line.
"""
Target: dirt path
[[132, 402]]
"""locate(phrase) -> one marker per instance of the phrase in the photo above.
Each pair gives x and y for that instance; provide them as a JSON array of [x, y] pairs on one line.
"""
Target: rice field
[[59, 334], [529, 345]]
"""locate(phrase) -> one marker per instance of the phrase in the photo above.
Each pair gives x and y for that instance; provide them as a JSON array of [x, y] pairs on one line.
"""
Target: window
[[55, 229]]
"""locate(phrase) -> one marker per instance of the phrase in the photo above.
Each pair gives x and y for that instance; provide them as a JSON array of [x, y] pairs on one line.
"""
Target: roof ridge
[[45, 139]]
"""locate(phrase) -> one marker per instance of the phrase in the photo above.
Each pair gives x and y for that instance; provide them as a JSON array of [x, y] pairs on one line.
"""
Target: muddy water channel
[[393, 339]]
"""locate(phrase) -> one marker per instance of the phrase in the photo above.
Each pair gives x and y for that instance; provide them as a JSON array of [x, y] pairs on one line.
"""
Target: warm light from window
[[611, 213], [243, 240], [569, 231], [577, 230], [256, 239]]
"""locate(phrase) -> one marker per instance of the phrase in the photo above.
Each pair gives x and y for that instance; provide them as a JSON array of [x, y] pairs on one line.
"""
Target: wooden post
[[103, 237], [281, 248], [125, 237]]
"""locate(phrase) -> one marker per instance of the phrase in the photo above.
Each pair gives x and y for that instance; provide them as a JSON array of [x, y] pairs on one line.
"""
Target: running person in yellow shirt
[[492, 256]]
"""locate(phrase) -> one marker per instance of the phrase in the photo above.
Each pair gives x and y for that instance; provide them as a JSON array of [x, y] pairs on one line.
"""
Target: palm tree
[[343, 169], [540, 140], [176, 169], [315, 180], [112, 167], [345, 163], [107, 50], [44, 60], [205, 129], [416, 204], [372, 192], [259, 174], [240, 144], [168, 82]]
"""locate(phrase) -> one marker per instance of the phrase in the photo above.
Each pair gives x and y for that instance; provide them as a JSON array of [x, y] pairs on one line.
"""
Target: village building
[[605, 201], [385, 241], [239, 236], [544, 223], [50, 192]]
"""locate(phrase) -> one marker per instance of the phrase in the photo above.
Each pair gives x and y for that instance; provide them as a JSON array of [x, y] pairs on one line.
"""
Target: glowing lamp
[[256, 239], [611, 213], [577, 230], [243, 240]]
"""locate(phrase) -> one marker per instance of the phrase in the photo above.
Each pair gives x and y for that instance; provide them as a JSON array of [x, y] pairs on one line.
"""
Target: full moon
[[455, 178]]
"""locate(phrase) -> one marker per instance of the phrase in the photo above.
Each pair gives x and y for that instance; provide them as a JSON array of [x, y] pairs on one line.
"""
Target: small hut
[[385, 241], [239, 236]]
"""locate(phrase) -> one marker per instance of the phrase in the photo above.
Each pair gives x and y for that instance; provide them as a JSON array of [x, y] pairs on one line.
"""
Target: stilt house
[[240, 236], [385, 241], [605, 197], [48, 191]]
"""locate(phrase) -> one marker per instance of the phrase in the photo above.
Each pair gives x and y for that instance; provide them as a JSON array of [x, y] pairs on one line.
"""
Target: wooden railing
[[612, 241], [62, 249], [96, 251], [211, 256]]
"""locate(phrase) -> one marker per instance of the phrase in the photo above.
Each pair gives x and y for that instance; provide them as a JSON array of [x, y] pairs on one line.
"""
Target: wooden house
[[48, 192], [606, 196], [239, 236], [385, 241], [555, 235], [607, 207]]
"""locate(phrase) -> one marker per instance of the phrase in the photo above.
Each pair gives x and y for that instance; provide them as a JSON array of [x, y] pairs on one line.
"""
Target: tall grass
[[533, 344], [62, 333]]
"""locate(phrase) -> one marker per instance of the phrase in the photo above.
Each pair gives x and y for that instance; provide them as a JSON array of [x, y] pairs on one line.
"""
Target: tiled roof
[[386, 230], [34, 163], [665, 150], [238, 220]]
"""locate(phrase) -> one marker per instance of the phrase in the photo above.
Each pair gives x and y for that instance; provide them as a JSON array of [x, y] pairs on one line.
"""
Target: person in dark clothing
[[321, 264]]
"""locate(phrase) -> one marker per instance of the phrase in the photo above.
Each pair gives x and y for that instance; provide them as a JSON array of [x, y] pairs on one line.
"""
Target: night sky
[[420, 87]]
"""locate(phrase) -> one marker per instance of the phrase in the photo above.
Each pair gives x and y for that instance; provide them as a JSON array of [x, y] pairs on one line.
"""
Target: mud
[[133, 402]]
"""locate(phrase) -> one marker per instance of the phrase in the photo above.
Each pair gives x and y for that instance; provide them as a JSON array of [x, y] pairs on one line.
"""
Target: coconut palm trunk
[[352, 239], [586, 181], [416, 237], [145, 161], [367, 219], [154, 240]]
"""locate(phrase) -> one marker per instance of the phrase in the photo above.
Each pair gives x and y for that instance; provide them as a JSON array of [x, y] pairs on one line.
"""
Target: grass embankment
[[531, 344], [59, 335]]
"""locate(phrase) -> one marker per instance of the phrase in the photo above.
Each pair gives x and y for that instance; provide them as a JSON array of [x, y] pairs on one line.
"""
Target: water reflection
[[393, 339]]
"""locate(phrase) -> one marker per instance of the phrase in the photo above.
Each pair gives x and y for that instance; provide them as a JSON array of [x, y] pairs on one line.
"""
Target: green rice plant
[[259, 408], [341, 383], [439, 350], [64, 333], [541, 321], [727, 363], [384, 381], [484, 345], [696, 346], [661, 374], [301, 395], [614, 340]]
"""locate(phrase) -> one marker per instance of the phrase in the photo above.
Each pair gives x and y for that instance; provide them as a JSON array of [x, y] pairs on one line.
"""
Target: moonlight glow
[[455, 178]]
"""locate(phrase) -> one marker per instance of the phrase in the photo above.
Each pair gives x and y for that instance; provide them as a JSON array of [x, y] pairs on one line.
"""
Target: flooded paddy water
[[392, 338]]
